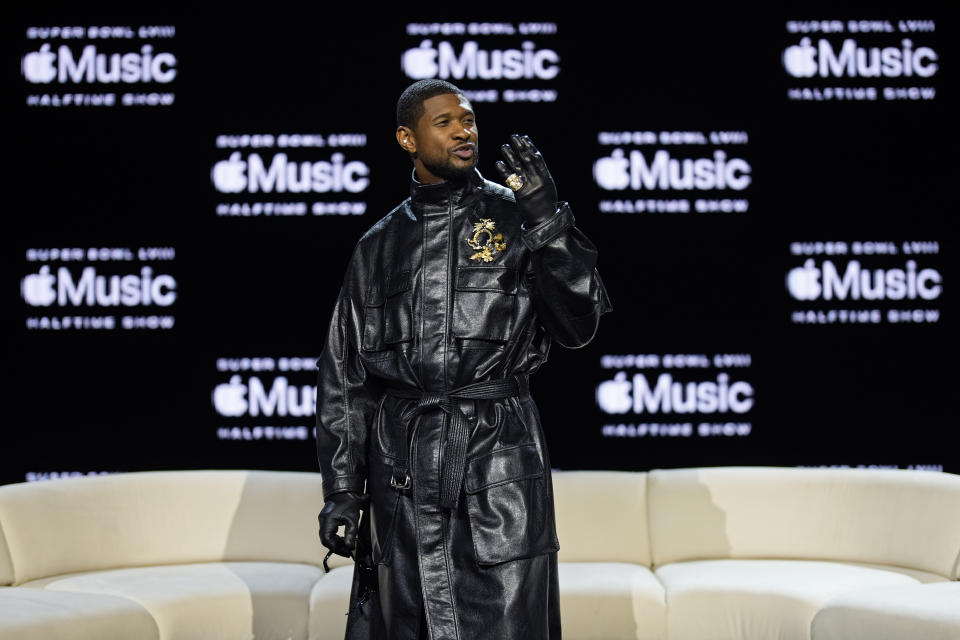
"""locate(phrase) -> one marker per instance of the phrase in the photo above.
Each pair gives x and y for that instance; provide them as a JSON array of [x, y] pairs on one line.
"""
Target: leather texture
[[444, 292]]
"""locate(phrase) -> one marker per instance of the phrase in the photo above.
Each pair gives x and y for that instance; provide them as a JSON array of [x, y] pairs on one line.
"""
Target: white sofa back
[[158, 517], [901, 518], [895, 517], [602, 516]]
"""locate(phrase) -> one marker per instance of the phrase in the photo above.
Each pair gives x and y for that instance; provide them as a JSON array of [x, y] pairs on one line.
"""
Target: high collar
[[442, 193]]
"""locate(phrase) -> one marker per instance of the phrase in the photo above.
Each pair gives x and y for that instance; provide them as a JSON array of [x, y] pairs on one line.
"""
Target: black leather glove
[[341, 509], [537, 197]]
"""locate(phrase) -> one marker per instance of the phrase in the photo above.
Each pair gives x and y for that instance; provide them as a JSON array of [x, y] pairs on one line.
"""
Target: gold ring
[[514, 181]]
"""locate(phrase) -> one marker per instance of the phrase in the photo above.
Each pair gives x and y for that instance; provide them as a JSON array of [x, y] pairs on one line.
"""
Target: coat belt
[[458, 434]]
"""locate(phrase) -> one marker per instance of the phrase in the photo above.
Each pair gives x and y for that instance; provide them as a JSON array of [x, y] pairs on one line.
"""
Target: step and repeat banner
[[769, 194]]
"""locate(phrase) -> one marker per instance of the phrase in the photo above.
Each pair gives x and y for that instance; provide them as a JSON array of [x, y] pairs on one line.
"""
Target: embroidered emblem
[[492, 244]]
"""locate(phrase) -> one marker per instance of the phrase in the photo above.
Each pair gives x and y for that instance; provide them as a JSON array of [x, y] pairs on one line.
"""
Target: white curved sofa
[[681, 554]]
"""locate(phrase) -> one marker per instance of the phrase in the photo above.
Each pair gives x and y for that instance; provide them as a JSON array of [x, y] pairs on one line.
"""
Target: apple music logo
[[442, 61], [899, 58], [238, 173], [805, 61], [144, 65], [43, 289], [82, 61], [811, 281], [282, 389], [667, 395], [617, 172], [694, 388], [252, 397], [296, 167], [657, 168], [876, 274], [88, 281], [491, 73]]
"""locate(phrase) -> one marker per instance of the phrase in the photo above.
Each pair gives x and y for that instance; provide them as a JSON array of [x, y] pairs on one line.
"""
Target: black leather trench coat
[[444, 291]]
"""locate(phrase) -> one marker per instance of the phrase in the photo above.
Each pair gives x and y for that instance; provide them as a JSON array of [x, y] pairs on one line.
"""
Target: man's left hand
[[537, 193], [341, 509]]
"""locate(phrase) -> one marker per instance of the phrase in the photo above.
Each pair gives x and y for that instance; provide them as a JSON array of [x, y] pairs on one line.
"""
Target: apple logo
[[613, 396], [37, 66], [37, 288], [228, 398], [803, 282], [421, 62], [227, 175], [799, 60], [613, 172]]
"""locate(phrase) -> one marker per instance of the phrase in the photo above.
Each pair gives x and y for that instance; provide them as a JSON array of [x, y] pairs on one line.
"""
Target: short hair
[[410, 105]]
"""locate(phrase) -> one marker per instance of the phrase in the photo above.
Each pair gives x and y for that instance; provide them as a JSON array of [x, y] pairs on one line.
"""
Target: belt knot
[[458, 431], [431, 399]]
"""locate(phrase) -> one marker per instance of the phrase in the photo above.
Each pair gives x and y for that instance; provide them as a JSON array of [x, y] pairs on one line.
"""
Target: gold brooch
[[492, 245]]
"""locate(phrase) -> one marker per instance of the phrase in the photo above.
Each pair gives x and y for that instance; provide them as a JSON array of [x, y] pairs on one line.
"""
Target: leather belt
[[458, 434]]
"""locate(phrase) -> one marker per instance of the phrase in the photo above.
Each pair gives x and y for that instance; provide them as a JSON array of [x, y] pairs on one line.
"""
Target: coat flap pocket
[[505, 465], [502, 279], [397, 282], [394, 283]]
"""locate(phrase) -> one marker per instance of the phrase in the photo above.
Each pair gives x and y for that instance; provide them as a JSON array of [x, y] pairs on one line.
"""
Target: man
[[424, 416]]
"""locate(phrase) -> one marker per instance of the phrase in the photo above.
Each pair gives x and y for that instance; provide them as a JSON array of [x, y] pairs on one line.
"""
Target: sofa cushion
[[892, 517], [226, 600], [329, 601], [602, 516], [611, 600], [161, 517], [759, 599], [928, 611], [28, 614]]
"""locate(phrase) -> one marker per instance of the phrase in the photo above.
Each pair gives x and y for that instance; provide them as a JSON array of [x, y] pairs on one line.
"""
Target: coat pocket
[[484, 303], [508, 505], [387, 313]]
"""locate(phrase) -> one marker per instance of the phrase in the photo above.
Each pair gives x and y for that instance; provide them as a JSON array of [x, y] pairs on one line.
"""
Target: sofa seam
[[9, 554], [646, 490], [653, 565]]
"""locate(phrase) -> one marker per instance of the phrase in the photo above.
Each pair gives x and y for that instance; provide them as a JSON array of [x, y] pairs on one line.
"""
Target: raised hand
[[525, 172]]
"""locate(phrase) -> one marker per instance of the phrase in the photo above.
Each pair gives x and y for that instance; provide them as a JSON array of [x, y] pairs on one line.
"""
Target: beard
[[449, 171]]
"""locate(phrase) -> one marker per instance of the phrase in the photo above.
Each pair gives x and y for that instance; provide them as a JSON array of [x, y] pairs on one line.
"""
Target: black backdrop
[[834, 178]]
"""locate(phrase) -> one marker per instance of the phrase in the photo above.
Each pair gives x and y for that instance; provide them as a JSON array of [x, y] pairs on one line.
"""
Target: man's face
[[445, 139]]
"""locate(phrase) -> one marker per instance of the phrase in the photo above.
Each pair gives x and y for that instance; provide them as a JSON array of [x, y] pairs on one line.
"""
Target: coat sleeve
[[564, 284], [346, 396]]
